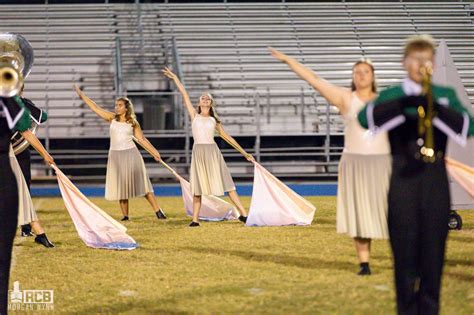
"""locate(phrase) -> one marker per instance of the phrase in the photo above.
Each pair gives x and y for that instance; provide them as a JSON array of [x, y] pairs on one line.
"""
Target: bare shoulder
[[346, 93], [110, 118]]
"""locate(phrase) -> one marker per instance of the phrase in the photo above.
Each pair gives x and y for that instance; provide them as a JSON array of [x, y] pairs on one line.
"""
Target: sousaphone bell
[[16, 60]]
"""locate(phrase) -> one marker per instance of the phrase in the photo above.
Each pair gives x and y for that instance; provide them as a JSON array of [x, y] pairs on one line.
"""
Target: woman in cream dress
[[365, 165], [209, 173], [126, 174]]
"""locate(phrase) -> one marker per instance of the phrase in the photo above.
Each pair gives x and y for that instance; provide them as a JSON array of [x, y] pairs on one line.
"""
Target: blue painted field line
[[175, 190]]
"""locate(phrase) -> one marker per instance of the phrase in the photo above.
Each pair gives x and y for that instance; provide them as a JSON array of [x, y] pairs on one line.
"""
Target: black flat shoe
[[194, 224], [243, 219], [160, 215], [26, 230], [43, 240], [364, 270], [125, 218]]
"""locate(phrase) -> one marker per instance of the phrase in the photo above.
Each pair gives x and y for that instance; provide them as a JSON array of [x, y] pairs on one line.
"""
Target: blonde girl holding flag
[[209, 174], [126, 173]]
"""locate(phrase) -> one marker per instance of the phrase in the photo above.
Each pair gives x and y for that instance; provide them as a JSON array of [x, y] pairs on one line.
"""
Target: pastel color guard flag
[[275, 204], [212, 208], [462, 174], [95, 227], [460, 163]]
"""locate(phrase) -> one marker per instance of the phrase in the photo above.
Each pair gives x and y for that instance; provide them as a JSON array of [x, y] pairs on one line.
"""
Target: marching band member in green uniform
[[419, 117]]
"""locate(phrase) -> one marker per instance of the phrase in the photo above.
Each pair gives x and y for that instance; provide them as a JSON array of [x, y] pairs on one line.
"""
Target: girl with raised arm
[[209, 173], [126, 173], [365, 165]]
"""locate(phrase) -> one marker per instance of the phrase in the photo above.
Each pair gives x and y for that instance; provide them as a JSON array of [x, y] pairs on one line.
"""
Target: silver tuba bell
[[16, 60]]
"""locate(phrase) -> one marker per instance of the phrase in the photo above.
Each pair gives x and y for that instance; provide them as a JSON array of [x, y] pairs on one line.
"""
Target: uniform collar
[[410, 87]]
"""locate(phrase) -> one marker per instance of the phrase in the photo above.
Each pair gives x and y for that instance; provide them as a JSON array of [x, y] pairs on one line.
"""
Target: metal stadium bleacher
[[114, 49]]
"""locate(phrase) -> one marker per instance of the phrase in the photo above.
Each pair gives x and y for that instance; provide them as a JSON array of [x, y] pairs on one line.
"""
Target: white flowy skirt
[[126, 175], [26, 209], [209, 173], [363, 185]]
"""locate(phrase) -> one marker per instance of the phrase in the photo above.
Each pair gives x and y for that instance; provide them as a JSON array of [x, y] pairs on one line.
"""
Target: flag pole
[[161, 161], [234, 146], [168, 167], [464, 167]]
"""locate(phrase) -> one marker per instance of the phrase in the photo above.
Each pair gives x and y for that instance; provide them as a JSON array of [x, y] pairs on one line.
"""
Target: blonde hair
[[417, 43], [365, 61], [130, 116], [212, 111]]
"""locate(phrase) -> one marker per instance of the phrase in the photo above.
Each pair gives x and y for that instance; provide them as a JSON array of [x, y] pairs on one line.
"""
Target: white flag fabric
[[95, 227], [446, 73], [462, 174], [212, 208], [275, 204]]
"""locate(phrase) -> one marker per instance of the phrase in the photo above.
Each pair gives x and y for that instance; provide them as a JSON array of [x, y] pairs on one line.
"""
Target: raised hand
[[168, 73], [187, 101], [79, 92], [277, 54], [104, 114]]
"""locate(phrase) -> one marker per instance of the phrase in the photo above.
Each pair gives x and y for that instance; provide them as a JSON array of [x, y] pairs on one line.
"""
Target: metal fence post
[[328, 130], [46, 101], [118, 68], [187, 142], [303, 118], [268, 104], [177, 68], [257, 122]]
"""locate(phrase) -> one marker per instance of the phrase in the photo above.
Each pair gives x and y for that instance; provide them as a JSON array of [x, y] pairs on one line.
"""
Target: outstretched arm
[[104, 114], [335, 95], [144, 143], [224, 135], [187, 101], [31, 138]]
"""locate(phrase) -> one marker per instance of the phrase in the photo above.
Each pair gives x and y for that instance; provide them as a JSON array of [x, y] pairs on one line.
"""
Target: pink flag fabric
[[461, 173], [212, 208], [275, 204], [95, 227]]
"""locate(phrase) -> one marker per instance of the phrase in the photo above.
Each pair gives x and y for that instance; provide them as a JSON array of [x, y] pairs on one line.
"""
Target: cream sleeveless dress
[[209, 173], [363, 179], [126, 173], [26, 209]]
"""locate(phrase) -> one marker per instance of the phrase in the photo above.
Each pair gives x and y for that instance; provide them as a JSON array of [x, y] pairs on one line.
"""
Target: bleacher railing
[[118, 77]]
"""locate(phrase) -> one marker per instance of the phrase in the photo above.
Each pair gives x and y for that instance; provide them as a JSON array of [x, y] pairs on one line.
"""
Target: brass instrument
[[19, 143], [16, 60], [425, 117]]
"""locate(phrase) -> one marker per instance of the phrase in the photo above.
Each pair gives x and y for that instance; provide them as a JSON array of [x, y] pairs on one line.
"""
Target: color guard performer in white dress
[[126, 173], [209, 173], [365, 165]]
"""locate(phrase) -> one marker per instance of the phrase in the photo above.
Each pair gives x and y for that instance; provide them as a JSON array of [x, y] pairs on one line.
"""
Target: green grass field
[[224, 267]]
